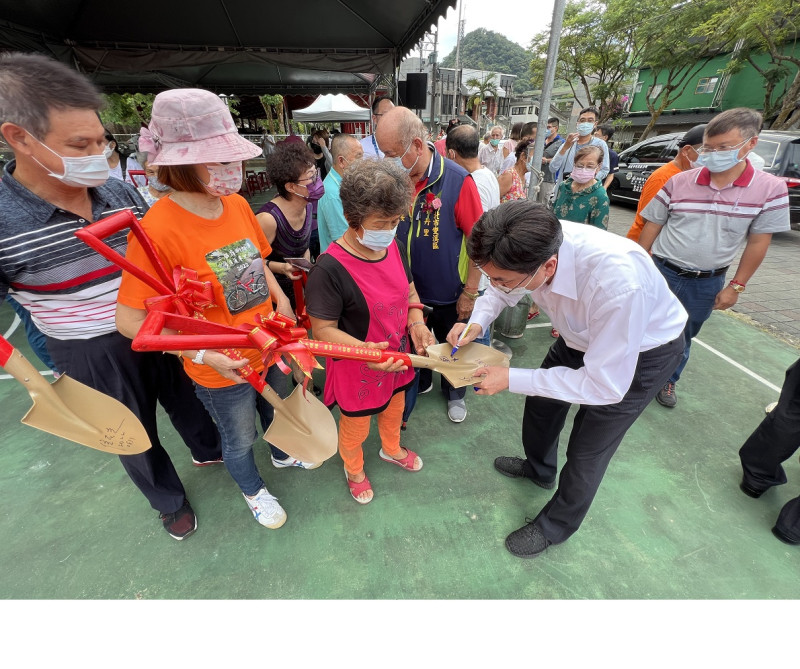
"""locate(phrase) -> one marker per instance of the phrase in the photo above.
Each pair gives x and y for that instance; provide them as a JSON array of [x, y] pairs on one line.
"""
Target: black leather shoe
[[750, 491], [784, 537], [513, 468], [527, 542]]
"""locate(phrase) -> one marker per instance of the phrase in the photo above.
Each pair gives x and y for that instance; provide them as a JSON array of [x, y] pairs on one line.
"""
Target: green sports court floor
[[669, 521]]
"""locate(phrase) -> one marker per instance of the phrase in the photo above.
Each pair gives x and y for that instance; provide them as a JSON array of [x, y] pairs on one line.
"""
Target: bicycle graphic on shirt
[[244, 290]]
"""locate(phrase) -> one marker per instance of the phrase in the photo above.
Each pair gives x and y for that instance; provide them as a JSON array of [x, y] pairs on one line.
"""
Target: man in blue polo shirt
[[696, 224], [345, 149]]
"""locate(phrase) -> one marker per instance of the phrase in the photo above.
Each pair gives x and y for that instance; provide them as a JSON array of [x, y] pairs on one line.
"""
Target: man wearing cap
[[58, 184], [379, 107], [696, 224], [685, 160]]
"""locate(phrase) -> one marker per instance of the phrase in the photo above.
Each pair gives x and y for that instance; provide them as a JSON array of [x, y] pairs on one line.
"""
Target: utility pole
[[459, 37], [544, 102], [434, 66]]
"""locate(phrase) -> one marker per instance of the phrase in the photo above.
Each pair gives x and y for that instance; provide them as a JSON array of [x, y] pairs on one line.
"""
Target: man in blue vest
[[446, 206]]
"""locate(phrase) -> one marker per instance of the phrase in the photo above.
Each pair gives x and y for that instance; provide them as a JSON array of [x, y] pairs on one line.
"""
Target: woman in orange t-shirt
[[205, 226]]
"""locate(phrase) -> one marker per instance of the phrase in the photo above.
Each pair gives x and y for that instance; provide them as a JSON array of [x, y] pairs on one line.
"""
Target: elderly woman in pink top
[[360, 292]]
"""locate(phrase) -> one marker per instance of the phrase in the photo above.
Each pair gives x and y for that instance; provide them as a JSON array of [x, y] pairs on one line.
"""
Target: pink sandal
[[357, 488], [406, 463]]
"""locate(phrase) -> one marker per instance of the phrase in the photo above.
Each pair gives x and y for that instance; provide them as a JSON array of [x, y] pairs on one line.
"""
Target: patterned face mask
[[224, 178]]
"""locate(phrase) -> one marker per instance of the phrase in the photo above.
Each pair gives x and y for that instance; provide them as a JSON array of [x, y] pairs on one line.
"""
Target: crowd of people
[[409, 242]]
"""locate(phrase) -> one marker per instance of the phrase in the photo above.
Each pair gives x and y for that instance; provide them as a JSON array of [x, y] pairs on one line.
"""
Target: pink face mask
[[224, 179], [582, 175]]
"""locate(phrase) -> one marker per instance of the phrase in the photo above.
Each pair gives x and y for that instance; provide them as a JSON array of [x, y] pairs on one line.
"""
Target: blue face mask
[[720, 161], [377, 240], [585, 129]]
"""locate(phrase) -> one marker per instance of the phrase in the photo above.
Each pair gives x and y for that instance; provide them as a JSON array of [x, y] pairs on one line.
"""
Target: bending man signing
[[621, 334]]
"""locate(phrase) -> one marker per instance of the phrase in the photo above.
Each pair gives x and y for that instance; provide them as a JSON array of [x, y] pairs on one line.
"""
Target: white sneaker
[[294, 462], [770, 408], [266, 509]]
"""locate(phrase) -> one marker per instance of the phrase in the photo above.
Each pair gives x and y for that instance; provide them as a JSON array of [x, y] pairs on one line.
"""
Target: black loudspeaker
[[401, 93], [416, 90]]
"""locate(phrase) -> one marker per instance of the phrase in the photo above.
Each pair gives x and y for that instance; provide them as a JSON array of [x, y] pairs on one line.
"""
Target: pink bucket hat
[[189, 126]]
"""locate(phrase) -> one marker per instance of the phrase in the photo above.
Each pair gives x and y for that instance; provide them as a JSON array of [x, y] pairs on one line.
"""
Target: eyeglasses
[[705, 149], [312, 178], [505, 289], [587, 167]]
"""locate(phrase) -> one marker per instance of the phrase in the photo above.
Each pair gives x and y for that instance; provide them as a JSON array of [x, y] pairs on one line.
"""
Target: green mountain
[[487, 50]]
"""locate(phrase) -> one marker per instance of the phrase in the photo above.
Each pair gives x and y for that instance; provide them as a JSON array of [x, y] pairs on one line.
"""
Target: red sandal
[[554, 333], [357, 488], [406, 463]]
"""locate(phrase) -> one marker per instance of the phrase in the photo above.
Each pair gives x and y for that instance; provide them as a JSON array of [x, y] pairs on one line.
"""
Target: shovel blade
[[74, 411], [460, 371], [304, 428]]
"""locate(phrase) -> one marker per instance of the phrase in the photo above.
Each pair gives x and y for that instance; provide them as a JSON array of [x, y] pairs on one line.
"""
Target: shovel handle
[[6, 349], [93, 235], [20, 367]]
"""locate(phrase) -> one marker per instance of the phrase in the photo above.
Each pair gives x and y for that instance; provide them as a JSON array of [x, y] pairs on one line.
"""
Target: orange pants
[[353, 431]]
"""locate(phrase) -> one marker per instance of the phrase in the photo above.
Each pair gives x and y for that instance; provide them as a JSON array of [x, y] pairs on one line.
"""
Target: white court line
[[13, 327], [738, 366]]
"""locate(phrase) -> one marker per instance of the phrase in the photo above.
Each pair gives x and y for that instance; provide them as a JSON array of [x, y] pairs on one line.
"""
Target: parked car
[[780, 150]]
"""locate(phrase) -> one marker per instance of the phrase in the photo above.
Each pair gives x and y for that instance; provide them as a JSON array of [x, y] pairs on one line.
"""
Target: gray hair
[[519, 236], [141, 157], [374, 187], [746, 121], [341, 145], [411, 127], [31, 85]]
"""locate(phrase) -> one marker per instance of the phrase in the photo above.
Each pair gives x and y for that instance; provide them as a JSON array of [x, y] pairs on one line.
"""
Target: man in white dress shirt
[[379, 107], [621, 335]]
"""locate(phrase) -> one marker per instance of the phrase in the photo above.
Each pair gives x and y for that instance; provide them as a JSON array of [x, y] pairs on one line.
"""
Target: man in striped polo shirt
[[57, 184], [699, 220]]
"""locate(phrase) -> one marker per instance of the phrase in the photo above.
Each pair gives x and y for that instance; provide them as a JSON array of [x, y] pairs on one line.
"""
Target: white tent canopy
[[332, 108]]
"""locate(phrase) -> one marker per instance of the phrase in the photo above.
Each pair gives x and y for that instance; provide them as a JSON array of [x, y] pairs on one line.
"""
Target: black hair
[[519, 236], [607, 130], [464, 140]]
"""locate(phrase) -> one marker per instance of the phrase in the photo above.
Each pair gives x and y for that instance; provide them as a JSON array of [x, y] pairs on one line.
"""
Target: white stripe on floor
[[738, 366]]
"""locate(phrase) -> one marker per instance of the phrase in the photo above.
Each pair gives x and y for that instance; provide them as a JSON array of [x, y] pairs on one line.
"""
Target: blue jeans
[[37, 341], [486, 337], [697, 297], [234, 410]]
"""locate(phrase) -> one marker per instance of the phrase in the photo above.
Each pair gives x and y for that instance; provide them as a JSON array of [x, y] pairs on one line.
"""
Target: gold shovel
[[69, 409]]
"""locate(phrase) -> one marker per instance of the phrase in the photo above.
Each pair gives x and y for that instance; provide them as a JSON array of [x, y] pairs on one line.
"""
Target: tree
[[668, 46], [482, 86], [129, 110], [594, 56], [273, 107], [763, 26], [484, 49]]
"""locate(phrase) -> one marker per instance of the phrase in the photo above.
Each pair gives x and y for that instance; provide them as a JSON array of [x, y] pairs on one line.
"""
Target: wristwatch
[[198, 358], [738, 287]]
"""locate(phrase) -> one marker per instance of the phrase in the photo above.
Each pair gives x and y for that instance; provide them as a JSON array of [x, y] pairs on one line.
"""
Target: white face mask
[[224, 179], [83, 171]]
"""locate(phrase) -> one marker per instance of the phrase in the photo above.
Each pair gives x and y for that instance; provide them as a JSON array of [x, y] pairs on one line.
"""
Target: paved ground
[[772, 298]]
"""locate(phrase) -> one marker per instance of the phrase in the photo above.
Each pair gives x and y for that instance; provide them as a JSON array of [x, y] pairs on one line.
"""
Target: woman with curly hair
[[361, 293], [287, 219]]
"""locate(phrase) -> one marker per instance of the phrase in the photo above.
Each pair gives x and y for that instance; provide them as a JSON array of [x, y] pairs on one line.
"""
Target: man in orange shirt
[[687, 154]]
